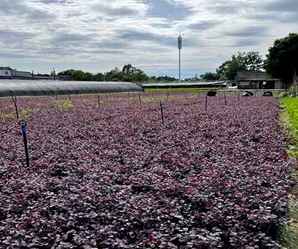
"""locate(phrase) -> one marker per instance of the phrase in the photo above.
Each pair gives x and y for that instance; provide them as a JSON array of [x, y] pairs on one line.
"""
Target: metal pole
[[180, 47], [24, 133], [179, 64]]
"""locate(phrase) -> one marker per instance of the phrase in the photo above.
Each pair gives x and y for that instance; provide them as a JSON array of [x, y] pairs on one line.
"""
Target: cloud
[[20, 9], [16, 55], [14, 39], [252, 31], [134, 35], [158, 39], [10, 35], [227, 7], [104, 33], [55, 1], [281, 6], [63, 38], [276, 11], [283, 17], [168, 9], [110, 10], [203, 25], [246, 43]]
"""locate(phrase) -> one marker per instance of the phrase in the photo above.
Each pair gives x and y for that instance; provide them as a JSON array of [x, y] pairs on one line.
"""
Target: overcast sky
[[97, 35]]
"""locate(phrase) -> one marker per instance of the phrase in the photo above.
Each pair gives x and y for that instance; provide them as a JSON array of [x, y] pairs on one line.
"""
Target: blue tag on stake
[[23, 127]]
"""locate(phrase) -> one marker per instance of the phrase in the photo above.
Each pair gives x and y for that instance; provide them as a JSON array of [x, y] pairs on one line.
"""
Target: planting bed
[[114, 177]]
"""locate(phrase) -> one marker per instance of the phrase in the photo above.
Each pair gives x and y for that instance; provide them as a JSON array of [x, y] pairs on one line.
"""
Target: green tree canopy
[[245, 61], [77, 75], [209, 76], [128, 73], [282, 60], [133, 74]]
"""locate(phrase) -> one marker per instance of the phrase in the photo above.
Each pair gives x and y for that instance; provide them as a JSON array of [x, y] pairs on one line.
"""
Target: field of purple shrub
[[113, 176]]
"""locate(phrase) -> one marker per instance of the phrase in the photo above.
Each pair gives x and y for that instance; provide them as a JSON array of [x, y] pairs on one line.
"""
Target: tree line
[[128, 73], [280, 62]]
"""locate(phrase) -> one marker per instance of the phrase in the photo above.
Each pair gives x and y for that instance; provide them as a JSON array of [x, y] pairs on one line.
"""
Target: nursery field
[[122, 172]]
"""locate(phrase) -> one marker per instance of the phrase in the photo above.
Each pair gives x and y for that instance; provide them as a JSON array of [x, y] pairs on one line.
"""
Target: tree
[[128, 73], [98, 77], [209, 76], [114, 75], [128, 69], [250, 61], [282, 60], [164, 78], [253, 61], [133, 74]]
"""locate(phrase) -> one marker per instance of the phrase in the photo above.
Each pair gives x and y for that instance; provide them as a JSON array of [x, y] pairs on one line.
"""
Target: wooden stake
[[98, 101], [225, 98], [24, 134], [140, 100], [206, 102], [14, 99], [161, 112]]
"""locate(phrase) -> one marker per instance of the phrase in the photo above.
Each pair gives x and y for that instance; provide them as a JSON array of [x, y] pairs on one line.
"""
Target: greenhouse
[[184, 84], [39, 88]]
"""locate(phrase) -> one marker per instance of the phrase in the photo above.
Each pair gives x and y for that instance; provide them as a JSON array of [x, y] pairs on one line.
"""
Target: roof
[[180, 84], [5, 68], [252, 75], [46, 87]]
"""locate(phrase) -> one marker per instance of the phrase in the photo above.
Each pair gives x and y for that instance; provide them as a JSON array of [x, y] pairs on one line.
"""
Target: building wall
[[5, 73], [271, 84], [22, 74], [278, 85]]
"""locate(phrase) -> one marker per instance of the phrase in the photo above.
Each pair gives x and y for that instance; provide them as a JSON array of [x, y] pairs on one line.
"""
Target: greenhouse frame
[[41, 88]]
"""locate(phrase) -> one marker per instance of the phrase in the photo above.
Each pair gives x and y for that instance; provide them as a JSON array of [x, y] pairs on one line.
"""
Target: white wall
[[5, 73]]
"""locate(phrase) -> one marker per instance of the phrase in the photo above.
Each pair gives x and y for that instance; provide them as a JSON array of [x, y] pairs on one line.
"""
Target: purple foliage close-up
[[115, 176]]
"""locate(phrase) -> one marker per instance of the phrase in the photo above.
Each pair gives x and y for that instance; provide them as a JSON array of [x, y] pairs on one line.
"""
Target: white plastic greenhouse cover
[[185, 84], [38, 88]]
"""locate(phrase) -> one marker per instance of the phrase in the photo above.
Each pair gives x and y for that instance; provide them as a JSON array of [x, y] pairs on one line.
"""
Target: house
[[22, 75], [6, 72], [9, 73], [42, 77], [257, 80]]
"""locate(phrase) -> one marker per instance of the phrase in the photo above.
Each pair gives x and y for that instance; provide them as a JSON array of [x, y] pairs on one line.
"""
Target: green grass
[[291, 106], [9, 116], [193, 90], [289, 233]]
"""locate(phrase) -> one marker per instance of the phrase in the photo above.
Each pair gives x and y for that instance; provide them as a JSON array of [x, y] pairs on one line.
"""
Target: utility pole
[[180, 47]]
